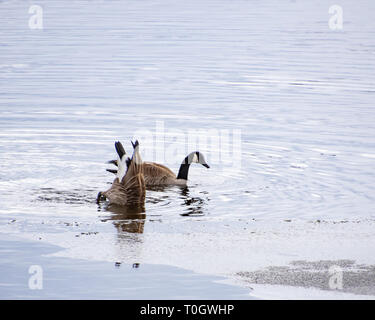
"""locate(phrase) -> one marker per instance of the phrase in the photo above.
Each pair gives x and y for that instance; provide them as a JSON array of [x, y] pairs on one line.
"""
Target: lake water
[[281, 105]]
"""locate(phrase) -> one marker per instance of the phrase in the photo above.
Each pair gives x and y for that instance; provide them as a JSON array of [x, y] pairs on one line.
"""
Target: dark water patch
[[74, 196], [194, 206], [340, 275]]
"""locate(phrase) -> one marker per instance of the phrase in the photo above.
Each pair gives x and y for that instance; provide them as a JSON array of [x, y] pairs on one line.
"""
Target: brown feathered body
[[156, 174]]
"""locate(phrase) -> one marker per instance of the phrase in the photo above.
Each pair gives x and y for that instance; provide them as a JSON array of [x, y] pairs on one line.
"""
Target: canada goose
[[156, 174], [128, 188]]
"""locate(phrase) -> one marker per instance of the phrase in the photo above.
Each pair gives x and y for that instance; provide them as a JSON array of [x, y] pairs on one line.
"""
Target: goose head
[[197, 157]]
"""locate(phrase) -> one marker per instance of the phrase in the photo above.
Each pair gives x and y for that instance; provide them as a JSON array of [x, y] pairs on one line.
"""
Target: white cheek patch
[[195, 158]]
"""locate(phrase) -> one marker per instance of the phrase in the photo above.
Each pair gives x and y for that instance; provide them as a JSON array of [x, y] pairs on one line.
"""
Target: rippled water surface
[[281, 105]]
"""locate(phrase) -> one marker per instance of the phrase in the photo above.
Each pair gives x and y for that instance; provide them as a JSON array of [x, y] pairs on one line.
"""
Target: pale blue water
[[79, 279], [295, 97]]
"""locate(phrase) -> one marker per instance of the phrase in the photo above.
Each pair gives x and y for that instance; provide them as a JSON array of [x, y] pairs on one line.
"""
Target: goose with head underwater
[[128, 188], [156, 174]]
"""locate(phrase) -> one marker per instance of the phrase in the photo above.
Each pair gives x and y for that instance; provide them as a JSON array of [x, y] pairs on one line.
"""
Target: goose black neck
[[183, 172], [184, 169]]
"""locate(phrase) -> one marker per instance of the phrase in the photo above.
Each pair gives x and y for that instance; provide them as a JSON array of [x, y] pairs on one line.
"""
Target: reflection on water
[[132, 219], [126, 218], [195, 206], [131, 225], [191, 203]]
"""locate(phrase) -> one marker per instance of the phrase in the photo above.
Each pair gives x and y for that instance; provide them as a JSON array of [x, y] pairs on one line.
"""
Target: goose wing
[[133, 184]]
